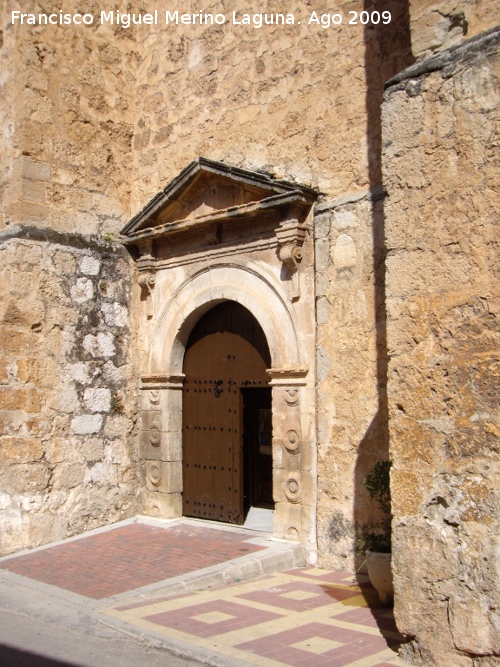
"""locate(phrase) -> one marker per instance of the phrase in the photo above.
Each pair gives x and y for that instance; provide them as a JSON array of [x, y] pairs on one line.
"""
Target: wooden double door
[[227, 461]]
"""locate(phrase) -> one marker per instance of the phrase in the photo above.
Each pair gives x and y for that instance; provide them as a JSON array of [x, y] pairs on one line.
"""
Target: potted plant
[[376, 540]]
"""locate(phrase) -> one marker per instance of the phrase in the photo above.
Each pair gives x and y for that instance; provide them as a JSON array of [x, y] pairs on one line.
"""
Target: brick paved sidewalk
[[300, 618], [129, 557], [304, 617]]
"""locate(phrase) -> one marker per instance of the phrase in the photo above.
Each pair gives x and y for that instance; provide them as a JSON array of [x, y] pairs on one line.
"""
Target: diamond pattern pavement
[[300, 618], [304, 617]]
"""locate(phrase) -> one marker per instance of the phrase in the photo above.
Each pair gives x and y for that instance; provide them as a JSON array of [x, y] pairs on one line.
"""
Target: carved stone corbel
[[145, 248], [147, 283], [291, 237]]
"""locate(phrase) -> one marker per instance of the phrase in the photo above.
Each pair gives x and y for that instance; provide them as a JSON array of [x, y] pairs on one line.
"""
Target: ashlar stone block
[[288, 520], [90, 266], [164, 476], [161, 505], [16, 449], [160, 446], [86, 424], [97, 400]]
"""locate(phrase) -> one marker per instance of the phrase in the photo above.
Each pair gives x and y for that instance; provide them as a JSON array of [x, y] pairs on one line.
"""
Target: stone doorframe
[[262, 259]]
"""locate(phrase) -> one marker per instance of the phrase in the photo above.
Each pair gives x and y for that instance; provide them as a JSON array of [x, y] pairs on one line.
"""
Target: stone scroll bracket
[[147, 284], [291, 236], [147, 277]]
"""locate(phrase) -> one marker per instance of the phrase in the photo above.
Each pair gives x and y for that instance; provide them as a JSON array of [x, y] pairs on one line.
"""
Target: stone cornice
[[287, 376], [261, 180], [486, 43], [292, 204], [70, 239], [162, 381]]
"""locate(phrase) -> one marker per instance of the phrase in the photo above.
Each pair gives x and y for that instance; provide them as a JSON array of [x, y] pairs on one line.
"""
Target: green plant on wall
[[117, 406], [377, 537], [378, 485]]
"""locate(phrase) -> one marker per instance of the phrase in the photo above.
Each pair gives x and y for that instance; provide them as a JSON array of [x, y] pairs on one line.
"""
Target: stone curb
[[236, 570]]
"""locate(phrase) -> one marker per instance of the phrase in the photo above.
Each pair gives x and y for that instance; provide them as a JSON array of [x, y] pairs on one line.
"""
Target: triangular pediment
[[205, 187]]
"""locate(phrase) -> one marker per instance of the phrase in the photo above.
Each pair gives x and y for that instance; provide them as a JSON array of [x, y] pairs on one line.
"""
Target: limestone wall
[[289, 99], [66, 107], [437, 25], [67, 460], [352, 414], [67, 389], [442, 214]]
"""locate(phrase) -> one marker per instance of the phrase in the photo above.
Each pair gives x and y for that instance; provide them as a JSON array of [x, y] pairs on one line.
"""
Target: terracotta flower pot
[[379, 571]]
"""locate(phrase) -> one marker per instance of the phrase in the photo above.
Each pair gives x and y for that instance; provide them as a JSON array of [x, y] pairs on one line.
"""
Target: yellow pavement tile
[[212, 644], [227, 642], [212, 617], [315, 571], [317, 645], [300, 595], [387, 655]]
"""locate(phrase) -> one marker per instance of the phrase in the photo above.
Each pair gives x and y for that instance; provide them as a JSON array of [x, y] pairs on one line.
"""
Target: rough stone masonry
[[97, 119], [68, 460], [442, 177]]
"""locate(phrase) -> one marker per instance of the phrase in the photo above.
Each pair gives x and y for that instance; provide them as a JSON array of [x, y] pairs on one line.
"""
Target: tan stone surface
[[289, 99], [352, 434], [20, 450], [437, 25], [95, 123], [67, 450], [70, 131], [441, 173]]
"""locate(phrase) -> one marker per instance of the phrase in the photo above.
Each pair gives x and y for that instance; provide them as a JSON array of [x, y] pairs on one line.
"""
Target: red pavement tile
[[354, 646], [212, 618], [375, 618], [299, 596], [129, 557]]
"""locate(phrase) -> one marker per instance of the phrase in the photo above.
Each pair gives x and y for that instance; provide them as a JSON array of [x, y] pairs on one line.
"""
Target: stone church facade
[[340, 185]]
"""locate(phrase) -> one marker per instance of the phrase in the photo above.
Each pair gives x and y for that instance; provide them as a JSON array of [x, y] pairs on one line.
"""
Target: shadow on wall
[[387, 52]]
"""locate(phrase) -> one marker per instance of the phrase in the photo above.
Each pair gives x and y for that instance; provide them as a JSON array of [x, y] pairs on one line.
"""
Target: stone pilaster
[[160, 444], [288, 474]]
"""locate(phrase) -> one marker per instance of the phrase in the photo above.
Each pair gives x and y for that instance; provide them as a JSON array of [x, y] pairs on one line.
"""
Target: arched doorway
[[226, 425], [218, 234]]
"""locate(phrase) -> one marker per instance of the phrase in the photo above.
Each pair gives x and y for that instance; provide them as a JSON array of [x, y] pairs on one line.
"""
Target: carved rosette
[[154, 397], [292, 441], [292, 397], [292, 489], [155, 433], [291, 236], [154, 472]]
